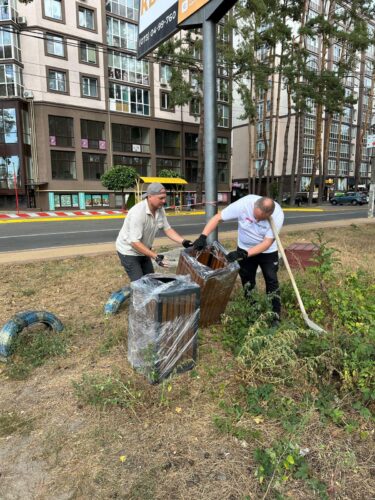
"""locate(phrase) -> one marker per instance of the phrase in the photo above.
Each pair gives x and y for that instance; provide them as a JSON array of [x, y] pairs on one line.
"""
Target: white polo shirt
[[140, 226], [250, 231]]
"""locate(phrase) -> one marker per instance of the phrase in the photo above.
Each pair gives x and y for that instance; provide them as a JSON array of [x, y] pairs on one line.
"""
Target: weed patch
[[33, 348], [106, 390], [14, 423]]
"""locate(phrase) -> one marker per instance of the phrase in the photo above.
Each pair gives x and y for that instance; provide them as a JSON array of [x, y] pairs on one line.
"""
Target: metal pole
[[15, 181], [210, 121], [371, 200]]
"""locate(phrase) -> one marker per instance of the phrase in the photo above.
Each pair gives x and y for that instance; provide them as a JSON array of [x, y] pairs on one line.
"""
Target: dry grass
[[150, 451]]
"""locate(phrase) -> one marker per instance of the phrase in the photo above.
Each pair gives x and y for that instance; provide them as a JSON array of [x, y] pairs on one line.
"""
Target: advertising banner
[[157, 22], [371, 141], [187, 8]]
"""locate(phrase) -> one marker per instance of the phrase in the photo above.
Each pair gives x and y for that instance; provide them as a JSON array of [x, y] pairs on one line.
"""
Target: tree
[[166, 172], [119, 178]]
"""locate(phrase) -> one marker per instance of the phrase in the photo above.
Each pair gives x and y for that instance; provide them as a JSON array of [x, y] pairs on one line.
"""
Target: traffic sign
[[187, 8]]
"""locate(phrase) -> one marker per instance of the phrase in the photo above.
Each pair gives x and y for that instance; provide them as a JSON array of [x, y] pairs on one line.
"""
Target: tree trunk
[[338, 152], [286, 148], [265, 140], [324, 168], [271, 169], [275, 135], [301, 128]]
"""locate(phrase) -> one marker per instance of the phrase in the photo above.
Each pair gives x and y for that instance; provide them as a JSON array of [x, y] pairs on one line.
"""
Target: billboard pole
[[210, 121]]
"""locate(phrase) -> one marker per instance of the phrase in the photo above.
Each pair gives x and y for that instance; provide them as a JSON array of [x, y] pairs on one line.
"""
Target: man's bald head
[[264, 208]]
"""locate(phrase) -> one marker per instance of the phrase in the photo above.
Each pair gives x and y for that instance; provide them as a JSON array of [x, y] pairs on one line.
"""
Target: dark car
[[350, 198]]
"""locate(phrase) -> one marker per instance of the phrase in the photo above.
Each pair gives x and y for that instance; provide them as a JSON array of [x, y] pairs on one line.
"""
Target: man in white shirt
[[256, 244], [136, 237]]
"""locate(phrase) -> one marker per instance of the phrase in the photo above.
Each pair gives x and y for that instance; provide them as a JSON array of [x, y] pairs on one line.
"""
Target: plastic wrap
[[163, 325], [215, 276]]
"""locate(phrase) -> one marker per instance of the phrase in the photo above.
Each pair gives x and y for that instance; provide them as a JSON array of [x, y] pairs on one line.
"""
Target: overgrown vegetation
[[294, 375], [33, 348]]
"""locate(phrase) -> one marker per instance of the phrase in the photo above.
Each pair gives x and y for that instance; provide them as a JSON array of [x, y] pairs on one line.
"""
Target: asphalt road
[[34, 235]]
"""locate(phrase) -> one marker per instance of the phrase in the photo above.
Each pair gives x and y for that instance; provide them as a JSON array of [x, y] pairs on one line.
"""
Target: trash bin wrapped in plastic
[[216, 276], [163, 325]]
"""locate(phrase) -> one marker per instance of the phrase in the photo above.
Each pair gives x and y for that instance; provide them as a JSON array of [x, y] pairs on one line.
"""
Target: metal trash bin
[[214, 274], [163, 325]]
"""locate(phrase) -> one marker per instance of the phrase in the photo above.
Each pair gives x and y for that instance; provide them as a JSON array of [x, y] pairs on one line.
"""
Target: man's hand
[[200, 243], [159, 259], [187, 243], [236, 255]]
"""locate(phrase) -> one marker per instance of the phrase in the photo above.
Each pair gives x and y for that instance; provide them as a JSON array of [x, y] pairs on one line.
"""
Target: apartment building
[[347, 133], [74, 101]]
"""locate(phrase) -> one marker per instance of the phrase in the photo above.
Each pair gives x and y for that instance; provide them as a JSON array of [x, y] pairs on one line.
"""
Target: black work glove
[[187, 243], [236, 255], [200, 243], [159, 260]]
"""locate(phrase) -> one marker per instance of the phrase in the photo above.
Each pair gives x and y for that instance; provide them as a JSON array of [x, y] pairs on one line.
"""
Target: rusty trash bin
[[163, 325], [214, 274]]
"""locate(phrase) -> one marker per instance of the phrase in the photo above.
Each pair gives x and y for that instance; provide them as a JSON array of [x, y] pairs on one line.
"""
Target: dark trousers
[[269, 264], [136, 266]]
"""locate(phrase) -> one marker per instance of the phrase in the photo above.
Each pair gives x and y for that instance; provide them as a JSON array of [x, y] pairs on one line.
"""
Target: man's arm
[[261, 247], [174, 236], [141, 248], [212, 224]]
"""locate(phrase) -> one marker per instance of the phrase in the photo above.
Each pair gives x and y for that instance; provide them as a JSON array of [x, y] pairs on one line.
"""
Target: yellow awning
[[163, 180]]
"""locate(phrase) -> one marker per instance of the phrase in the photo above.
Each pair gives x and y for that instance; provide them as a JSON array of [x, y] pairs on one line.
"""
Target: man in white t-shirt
[[136, 237], [256, 243]]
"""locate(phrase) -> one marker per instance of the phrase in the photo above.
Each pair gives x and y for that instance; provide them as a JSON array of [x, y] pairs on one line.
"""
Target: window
[[222, 148], [57, 81], [86, 18], [191, 145], [308, 145], [331, 167], [312, 43], [63, 164], [10, 80], [53, 9], [129, 99], [8, 126], [93, 166], [312, 63], [222, 173], [191, 170], [222, 33], [130, 139], [87, 53], [345, 151], [168, 163], [141, 164], [308, 164], [309, 124], [96, 200], [9, 43], [61, 131], [223, 115], [222, 90], [66, 200], [92, 134], [332, 148], [165, 73], [123, 8], [9, 172], [55, 45], [126, 68], [89, 87], [121, 34], [195, 106], [260, 149], [165, 101], [167, 142]]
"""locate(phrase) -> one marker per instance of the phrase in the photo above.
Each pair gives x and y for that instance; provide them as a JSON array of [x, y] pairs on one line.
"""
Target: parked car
[[300, 198], [349, 198]]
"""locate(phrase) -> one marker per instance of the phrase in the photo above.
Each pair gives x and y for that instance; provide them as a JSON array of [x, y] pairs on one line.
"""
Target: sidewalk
[[26, 256]]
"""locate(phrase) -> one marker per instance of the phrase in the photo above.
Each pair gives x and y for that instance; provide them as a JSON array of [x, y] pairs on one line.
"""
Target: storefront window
[[66, 200], [96, 200], [9, 172]]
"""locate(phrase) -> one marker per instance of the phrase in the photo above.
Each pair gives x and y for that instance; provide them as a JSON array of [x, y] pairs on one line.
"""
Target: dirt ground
[[165, 444]]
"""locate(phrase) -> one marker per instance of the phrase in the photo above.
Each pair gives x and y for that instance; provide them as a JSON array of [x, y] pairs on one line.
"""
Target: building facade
[[74, 101], [347, 133]]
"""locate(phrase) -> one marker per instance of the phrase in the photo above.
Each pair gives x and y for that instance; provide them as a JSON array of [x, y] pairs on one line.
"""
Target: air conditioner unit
[[28, 94], [163, 81], [22, 21]]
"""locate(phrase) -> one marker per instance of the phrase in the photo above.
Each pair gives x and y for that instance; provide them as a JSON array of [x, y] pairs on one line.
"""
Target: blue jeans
[[269, 264], [136, 266]]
